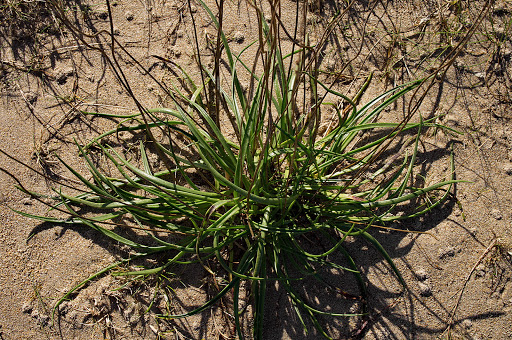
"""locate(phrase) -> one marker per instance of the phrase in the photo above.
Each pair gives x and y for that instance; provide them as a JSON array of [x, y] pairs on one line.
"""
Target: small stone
[[467, 323], [176, 52], [27, 307], [244, 87], [507, 53], [26, 201], [354, 309], [101, 12], [31, 97], [447, 252], [331, 65], [129, 16], [480, 270], [508, 168], [425, 289], [480, 76], [459, 65], [421, 275], [41, 319], [238, 37], [500, 33], [193, 9], [496, 214], [480, 273], [63, 75]]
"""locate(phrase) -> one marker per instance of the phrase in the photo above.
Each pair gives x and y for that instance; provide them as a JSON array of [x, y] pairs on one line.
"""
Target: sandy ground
[[465, 250]]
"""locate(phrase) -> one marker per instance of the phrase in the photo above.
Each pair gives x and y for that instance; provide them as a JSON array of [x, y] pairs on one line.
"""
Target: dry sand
[[467, 249]]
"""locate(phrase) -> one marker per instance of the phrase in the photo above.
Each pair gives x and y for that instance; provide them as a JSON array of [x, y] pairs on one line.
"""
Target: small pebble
[[459, 65], [467, 323], [31, 97], [331, 65], [239, 37], [63, 75], [176, 52], [421, 275], [27, 307], [507, 52], [480, 76], [500, 33], [129, 16], [479, 273], [193, 8], [101, 12], [41, 319], [508, 169], [425, 289], [354, 309], [496, 214], [480, 270], [26, 201], [447, 252]]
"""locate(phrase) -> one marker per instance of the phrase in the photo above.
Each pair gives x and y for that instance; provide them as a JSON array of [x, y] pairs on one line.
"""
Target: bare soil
[[457, 261]]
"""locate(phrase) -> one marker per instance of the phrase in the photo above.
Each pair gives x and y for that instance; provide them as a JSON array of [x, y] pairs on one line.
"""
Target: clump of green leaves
[[249, 201]]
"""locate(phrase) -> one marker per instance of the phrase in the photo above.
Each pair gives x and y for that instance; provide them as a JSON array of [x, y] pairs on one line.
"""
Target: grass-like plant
[[249, 201]]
